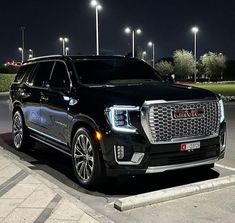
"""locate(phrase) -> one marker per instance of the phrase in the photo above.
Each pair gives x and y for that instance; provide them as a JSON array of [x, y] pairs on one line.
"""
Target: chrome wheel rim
[[17, 131], [83, 157]]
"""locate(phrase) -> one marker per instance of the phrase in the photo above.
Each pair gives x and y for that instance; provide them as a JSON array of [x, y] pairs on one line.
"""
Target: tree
[[184, 64], [214, 65], [164, 68]]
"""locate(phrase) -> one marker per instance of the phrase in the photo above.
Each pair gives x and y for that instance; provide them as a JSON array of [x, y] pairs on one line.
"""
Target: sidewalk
[[27, 197]]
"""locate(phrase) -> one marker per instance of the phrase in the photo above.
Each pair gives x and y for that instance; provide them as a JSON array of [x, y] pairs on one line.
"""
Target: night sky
[[166, 22]]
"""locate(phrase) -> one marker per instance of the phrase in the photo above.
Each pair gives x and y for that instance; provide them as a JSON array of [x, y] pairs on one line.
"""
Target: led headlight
[[118, 117], [221, 109]]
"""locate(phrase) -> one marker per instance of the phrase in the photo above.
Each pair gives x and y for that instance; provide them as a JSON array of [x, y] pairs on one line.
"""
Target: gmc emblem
[[189, 113]]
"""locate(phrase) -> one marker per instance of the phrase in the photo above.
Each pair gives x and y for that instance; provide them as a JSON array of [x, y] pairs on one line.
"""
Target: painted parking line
[[225, 167]]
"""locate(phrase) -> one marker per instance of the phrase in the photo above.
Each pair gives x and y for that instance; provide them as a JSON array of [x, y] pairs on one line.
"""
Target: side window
[[23, 72], [42, 73], [60, 78]]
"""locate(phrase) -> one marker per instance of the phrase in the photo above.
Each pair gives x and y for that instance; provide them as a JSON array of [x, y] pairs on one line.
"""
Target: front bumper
[[158, 158]]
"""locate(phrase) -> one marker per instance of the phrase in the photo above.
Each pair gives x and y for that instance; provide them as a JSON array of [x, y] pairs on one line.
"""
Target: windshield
[[114, 71]]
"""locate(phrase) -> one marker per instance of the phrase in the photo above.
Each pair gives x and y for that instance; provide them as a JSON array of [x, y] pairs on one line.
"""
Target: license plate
[[190, 146]]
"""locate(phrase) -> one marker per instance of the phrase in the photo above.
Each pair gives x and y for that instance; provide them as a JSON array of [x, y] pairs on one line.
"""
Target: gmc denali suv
[[115, 115]]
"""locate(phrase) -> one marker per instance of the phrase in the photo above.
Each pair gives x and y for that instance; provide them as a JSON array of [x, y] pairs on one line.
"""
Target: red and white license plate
[[190, 146]]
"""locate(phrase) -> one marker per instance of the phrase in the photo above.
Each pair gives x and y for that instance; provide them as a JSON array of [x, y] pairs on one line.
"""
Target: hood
[[137, 94]]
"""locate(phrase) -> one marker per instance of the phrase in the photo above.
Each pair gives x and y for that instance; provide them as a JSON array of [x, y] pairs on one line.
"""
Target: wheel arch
[[17, 107], [87, 123]]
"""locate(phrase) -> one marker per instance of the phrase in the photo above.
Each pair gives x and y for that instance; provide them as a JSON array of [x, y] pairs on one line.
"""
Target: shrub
[[5, 81], [164, 68]]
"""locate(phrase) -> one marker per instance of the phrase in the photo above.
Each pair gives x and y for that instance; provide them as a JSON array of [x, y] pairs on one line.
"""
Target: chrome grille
[[161, 127]]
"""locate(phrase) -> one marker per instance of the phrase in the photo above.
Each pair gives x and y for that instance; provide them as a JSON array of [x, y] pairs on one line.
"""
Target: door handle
[[23, 92], [43, 97]]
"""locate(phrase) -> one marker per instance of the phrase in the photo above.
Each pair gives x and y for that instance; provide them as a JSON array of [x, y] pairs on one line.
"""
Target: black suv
[[115, 115]]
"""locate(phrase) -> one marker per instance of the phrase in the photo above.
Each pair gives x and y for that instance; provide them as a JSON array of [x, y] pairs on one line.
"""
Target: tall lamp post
[[22, 28], [97, 7], [144, 53], [66, 51], [30, 53], [22, 53], [195, 30], [133, 32], [64, 40], [151, 44]]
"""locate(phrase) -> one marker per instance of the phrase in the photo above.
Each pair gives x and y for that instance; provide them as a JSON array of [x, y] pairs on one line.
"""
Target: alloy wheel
[[83, 157], [17, 130]]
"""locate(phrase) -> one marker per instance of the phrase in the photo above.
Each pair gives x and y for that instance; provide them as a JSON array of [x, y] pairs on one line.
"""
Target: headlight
[[118, 117], [221, 109]]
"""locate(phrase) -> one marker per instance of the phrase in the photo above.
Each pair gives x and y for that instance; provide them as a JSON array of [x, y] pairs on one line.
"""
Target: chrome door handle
[[43, 97]]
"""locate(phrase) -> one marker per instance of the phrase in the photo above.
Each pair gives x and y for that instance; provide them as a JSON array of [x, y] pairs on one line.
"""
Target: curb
[[4, 95], [143, 200]]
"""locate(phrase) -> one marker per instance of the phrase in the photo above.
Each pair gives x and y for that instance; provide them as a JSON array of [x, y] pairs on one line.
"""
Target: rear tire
[[21, 138], [86, 159]]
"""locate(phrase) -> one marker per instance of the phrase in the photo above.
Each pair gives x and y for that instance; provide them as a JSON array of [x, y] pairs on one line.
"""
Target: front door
[[54, 107]]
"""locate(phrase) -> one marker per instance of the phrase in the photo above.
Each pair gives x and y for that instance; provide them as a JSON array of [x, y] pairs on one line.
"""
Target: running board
[[49, 144]]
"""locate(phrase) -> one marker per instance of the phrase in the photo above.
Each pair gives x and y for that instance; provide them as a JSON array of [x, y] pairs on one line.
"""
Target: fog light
[[120, 152]]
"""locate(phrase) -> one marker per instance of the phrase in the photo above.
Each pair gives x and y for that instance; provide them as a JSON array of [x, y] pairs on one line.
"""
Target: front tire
[[21, 138], [86, 159]]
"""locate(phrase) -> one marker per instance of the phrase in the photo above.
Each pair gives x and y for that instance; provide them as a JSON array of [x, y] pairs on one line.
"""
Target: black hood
[[137, 94]]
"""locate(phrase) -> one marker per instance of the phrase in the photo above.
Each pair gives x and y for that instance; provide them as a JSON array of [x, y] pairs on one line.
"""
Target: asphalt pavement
[[57, 168]]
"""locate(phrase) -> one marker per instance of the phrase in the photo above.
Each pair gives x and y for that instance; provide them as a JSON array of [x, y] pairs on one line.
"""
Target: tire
[[87, 162], [21, 139]]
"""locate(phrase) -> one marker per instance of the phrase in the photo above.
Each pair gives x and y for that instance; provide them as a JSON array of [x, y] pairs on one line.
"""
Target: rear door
[[36, 86], [54, 109]]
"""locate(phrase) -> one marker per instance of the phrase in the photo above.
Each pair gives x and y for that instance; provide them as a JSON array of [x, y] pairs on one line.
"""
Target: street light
[[22, 28], [66, 51], [22, 53], [95, 4], [63, 40], [144, 55], [151, 44], [195, 30], [30, 53], [137, 31]]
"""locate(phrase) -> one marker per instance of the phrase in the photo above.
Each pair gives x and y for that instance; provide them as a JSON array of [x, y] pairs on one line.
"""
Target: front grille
[[161, 127]]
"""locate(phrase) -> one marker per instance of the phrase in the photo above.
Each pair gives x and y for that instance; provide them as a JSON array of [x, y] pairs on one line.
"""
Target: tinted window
[[103, 71], [59, 78], [23, 72], [42, 73]]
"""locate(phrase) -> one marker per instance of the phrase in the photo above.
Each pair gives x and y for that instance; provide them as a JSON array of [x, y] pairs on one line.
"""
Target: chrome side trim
[[128, 162], [48, 144], [48, 136], [160, 169]]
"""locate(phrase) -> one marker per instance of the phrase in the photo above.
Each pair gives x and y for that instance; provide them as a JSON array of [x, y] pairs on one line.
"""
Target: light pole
[[22, 28], [137, 31], [144, 55], [63, 40], [66, 51], [30, 53], [195, 31], [151, 44], [97, 7], [22, 53]]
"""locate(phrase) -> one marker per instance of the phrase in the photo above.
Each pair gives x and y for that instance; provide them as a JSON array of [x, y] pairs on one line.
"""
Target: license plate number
[[190, 146]]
